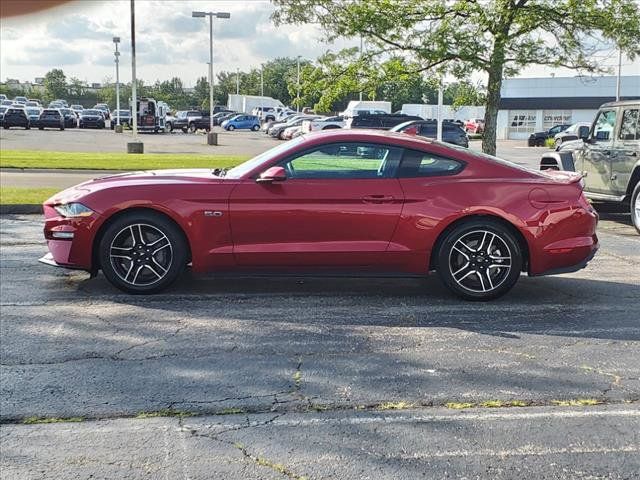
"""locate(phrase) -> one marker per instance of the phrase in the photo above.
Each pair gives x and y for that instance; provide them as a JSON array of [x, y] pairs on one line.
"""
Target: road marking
[[527, 450]]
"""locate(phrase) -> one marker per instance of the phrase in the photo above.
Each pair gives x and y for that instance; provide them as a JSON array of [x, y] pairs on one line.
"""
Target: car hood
[[132, 179]]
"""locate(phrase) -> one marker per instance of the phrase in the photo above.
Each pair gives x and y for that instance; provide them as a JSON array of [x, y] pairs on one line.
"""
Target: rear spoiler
[[562, 176]]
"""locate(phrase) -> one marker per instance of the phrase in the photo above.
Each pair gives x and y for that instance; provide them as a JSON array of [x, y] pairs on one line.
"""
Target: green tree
[[497, 37], [55, 84]]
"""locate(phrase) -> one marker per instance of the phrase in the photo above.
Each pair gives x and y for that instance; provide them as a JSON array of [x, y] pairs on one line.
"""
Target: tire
[[474, 245], [635, 207], [255, 128], [231, 128], [61, 128], [40, 128], [192, 127], [184, 129], [169, 127], [131, 265]]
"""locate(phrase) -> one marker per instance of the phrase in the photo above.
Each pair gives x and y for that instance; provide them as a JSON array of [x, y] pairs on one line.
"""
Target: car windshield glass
[[91, 112], [246, 167], [33, 111]]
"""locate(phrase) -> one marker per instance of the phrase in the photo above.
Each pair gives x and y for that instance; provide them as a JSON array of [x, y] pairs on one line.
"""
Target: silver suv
[[608, 157]]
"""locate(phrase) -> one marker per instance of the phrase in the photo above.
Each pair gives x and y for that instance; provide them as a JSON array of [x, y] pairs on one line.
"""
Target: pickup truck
[[608, 157]]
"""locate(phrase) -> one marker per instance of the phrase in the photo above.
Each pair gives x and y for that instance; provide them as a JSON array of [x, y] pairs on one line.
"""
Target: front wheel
[[142, 253], [231, 128], [255, 128], [192, 128], [479, 260], [635, 207]]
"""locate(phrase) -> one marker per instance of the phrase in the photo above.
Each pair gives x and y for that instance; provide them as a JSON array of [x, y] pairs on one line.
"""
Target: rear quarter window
[[423, 164]]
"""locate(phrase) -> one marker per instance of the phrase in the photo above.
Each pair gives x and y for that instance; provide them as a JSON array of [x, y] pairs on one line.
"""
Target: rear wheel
[[231, 128], [635, 207], [255, 128], [192, 127], [480, 260], [142, 253]]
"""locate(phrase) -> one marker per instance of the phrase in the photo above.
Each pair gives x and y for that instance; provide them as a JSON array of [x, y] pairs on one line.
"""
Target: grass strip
[[25, 195], [114, 160]]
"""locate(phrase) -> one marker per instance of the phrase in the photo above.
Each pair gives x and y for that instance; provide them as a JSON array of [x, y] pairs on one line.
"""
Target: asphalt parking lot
[[319, 378]]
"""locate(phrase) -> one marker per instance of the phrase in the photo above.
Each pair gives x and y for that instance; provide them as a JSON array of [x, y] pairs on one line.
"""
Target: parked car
[[33, 114], [77, 108], [57, 104], [91, 118], [277, 129], [104, 108], [451, 132], [15, 117], [242, 122], [125, 118], [6, 103], [574, 132], [538, 139], [379, 121], [50, 118], [474, 125], [608, 159], [62, 102], [2, 110], [21, 100], [70, 118], [304, 206], [31, 104], [226, 114], [199, 123], [291, 132], [36, 101], [3, 96], [327, 123]]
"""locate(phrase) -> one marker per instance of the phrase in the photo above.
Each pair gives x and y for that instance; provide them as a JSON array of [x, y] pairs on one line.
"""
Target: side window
[[583, 132], [629, 128], [603, 128], [422, 164], [345, 161]]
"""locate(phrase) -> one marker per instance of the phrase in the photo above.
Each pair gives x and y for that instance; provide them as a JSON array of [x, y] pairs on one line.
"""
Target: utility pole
[[134, 146], [361, 61], [440, 101], [619, 74], [237, 81], [261, 80], [116, 41], [298, 95]]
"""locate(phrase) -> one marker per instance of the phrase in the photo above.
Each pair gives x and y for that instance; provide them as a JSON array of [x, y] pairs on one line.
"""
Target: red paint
[[378, 224]]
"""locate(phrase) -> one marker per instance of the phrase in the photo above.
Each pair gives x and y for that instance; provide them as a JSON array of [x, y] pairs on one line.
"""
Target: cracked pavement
[[290, 377]]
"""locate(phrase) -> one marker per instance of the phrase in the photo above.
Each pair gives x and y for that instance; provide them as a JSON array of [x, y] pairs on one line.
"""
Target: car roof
[[622, 103]]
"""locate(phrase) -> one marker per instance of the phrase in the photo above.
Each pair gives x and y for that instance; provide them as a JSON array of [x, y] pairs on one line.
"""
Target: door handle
[[377, 199]]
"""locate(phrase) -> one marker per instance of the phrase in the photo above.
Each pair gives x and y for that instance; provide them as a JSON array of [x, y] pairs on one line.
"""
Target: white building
[[535, 104]]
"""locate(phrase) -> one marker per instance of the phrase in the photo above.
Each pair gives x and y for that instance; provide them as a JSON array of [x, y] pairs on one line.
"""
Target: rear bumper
[[585, 253]]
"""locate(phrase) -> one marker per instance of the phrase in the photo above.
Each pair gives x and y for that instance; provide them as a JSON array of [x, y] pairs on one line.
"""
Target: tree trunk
[[493, 98]]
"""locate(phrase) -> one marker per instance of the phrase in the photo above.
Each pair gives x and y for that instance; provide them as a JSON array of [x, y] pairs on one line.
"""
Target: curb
[[20, 208]]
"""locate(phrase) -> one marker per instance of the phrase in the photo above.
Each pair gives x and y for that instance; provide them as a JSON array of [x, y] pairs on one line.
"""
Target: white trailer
[[448, 112], [359, 107], [246, 103]]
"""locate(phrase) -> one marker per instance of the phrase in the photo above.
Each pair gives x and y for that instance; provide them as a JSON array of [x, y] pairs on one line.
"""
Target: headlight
[[73, 210]]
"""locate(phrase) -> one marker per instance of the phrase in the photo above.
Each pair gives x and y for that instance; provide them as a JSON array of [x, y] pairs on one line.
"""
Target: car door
[[626, 151], [338, 207], [595, 158]]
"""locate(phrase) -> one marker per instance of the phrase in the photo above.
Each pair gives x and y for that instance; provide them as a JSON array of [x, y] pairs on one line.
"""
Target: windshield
[[33, 111], [91, 112], [244, 168], [122, 112]]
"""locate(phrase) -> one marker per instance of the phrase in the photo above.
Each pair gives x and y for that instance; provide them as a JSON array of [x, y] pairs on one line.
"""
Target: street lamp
[[116, 41], [211, 15]]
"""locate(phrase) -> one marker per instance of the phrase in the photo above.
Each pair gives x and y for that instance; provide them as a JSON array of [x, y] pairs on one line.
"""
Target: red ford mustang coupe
[[340, 202]]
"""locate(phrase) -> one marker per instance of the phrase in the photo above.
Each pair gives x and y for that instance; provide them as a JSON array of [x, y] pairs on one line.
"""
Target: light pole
[[134, 146], [211, 15], [237, 81], [116, 41], [298, 95], [619, 74], [262, 80]]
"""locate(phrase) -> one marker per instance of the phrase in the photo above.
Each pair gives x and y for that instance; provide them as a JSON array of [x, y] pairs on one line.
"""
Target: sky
[[77, 37]]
